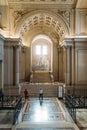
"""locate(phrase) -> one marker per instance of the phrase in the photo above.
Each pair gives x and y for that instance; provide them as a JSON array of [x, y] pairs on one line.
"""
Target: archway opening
[[41, 53]]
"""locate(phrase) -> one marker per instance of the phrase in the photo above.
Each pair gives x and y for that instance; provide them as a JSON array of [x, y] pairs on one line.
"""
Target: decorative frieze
[[44, 1]]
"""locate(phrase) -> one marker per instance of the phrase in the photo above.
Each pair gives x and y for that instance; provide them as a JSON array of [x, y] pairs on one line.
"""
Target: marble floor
[[6, 117], [81, 116], [46, 114], [43, 110]]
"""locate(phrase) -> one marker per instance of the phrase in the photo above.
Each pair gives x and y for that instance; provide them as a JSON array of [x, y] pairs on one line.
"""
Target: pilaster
[[70, 61], [12, 49], [17, 65]]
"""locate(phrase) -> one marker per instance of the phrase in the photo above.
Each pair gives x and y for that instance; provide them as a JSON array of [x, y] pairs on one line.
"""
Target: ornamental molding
[[13, 42], [43, 1], [65, 14], [18, 14], [43, 20], [68, 42]]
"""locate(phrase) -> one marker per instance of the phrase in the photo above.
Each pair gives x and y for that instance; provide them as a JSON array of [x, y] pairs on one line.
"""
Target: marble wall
[[81, 62], [76, 61], [8, 65], [81, 22]]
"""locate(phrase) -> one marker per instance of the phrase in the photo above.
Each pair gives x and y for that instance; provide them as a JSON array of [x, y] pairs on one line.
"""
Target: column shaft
[[17, 66], [68, 66], [73, 65]]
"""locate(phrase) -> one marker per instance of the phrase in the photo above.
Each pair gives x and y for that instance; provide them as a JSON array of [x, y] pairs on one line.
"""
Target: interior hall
[[43, 64]]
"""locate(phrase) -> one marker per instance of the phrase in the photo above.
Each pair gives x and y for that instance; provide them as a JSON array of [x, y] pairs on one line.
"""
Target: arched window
[[41, 50], [41, 56]]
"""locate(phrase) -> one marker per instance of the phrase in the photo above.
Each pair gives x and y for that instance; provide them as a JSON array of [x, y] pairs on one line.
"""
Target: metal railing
[[74, 102], [13, 104]]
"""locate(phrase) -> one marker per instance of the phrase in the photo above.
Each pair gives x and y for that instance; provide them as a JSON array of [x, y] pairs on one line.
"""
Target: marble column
[[64, 63], [3, 68], [58, 61], [68, 65], [17, 65], [73, 65], [60, 64], [9, 65], [14, 60]]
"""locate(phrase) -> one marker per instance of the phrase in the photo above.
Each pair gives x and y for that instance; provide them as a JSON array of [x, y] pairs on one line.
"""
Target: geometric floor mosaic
[[47, 109]]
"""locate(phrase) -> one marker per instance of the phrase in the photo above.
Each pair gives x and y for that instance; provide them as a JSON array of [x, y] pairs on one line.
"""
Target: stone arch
[[37, 31], [52, 35], [43, 19]]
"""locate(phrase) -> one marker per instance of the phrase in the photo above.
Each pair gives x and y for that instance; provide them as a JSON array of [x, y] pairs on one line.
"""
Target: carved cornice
[[43, 1], [81, 39], [10, 42], [74, 41], [68, 42]]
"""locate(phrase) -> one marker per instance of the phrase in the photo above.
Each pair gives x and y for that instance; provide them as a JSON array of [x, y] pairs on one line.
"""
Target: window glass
[[38, 50], [44, 50]]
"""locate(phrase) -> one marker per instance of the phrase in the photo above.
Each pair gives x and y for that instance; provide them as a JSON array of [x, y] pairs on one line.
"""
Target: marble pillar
[[68, 65], [58, 61], [73, 64], [17, 65]]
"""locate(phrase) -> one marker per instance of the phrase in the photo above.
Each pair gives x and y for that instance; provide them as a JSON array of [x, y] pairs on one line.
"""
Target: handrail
[[16, 107], [74, 102]]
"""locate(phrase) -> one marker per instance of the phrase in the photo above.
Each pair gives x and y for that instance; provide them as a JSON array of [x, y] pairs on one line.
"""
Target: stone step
[[41, 76], [48, 90]]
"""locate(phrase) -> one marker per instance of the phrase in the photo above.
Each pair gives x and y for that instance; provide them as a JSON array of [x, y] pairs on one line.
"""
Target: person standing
[[26, 94], [41, 94]]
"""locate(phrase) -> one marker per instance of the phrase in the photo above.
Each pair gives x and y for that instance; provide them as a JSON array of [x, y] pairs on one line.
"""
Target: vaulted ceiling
[[25, 22]]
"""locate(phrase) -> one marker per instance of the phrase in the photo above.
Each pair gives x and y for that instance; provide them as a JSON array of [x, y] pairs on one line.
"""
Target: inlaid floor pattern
[[43, 110]]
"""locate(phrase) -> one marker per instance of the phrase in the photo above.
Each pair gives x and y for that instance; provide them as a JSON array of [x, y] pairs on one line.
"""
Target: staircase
[[41, 77]]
